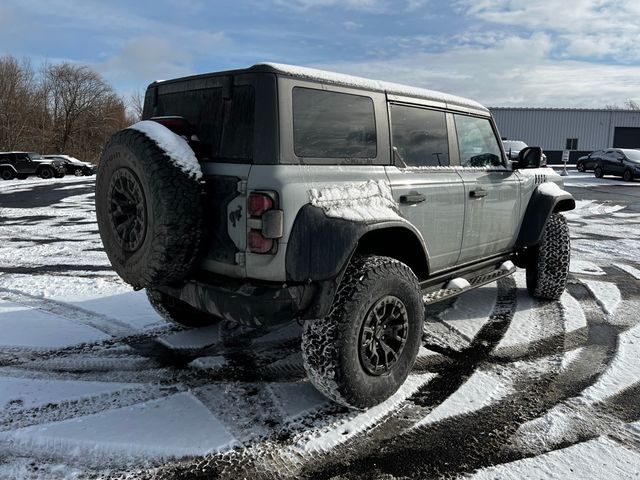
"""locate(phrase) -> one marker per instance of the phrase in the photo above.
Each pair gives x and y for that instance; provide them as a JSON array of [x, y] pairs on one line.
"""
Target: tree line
[[60, 108]]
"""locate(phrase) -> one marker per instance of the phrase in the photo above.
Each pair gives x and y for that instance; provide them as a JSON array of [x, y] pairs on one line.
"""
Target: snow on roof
[[368, 84]]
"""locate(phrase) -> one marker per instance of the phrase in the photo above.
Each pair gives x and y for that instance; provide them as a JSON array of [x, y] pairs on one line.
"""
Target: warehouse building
[[578, 130]]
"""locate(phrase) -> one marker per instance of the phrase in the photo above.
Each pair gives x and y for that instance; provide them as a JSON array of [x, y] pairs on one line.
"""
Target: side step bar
[[504, 270]]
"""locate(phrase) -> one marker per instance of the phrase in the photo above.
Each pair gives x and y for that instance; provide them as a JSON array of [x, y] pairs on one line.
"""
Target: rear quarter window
[[333, 125]]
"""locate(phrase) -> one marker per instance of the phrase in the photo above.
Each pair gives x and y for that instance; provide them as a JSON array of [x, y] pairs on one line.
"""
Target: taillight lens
[[257, 243], [259, 203]]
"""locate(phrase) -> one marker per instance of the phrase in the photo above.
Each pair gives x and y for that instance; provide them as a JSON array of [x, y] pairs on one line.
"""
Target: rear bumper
[[247, 303]]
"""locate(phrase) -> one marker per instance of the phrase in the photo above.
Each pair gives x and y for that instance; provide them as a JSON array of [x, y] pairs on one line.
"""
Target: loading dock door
[[626, 137]]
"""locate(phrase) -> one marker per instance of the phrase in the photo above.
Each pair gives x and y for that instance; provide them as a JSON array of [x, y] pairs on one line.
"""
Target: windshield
[[514, 145], [633, 155]]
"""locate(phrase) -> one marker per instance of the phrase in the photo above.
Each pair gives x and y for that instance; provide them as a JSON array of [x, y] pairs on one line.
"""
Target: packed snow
[[94, 383], [176, 147]]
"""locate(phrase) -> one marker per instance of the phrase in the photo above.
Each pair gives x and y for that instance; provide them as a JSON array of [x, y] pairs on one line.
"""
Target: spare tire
[[149, 211]]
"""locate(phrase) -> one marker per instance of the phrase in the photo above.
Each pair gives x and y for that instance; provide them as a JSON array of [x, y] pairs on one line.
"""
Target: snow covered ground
[[94, 383]]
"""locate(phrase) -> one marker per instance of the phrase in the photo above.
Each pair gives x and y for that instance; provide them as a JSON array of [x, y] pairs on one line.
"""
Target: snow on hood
[[360, 202], [176, 147]]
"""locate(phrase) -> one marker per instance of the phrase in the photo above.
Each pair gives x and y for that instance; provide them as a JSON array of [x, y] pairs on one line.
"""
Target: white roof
[[375, 85]]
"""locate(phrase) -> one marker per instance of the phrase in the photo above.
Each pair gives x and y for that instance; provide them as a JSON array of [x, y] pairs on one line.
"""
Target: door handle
[[412, 197], [480, 192]]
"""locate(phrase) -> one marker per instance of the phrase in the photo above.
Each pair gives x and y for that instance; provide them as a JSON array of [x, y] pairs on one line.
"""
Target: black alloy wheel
[[627, 176], [6, 174], [46, 173], [127, 210], [598, 172], [383, 335]]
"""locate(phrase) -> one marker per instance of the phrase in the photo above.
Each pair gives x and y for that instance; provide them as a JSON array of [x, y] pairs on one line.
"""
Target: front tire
[[548, 269], [598, 172], [627, 176], [580, 167], [46, 173], [361, 353], [179, 312]]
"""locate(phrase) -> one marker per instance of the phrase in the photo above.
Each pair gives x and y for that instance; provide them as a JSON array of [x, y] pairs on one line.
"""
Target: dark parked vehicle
[[621, 162], [589, 162], [23, 164], [73, 165]]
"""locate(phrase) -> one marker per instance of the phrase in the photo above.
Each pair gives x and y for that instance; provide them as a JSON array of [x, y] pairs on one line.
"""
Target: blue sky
[[500, 52]]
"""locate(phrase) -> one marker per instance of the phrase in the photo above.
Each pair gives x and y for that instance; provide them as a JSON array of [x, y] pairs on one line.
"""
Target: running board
[[460, 285]]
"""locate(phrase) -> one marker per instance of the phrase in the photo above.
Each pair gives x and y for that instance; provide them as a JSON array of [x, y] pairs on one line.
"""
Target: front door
[[429, 192], [491, 190]]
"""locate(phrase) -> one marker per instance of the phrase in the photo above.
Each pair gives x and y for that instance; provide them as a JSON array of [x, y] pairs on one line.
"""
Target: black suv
[[22, 164], [622, 162]]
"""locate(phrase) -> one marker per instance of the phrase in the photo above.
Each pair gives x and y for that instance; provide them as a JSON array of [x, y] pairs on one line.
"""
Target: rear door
[[491, 190], [429, 192]]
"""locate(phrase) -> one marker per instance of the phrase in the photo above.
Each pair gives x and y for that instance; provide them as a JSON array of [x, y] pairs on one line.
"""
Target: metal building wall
[[549, 128]]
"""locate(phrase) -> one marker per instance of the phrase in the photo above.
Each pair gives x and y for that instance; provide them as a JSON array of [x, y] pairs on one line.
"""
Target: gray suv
[[275, 193]]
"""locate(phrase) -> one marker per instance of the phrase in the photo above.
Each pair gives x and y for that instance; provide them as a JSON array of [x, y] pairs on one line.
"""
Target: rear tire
[[549, 267], [149, 212], [78, 172], [361, 353], [580, 167], [179, 312], [598, 172], [7, 174]]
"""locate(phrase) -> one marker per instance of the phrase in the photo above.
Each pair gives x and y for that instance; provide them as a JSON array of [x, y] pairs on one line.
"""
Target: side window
[[333, 125], [420, 136], [477, 142]]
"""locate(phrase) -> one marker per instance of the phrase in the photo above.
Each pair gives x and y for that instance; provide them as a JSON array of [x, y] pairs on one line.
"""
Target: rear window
[[333, 125], [224, 126]]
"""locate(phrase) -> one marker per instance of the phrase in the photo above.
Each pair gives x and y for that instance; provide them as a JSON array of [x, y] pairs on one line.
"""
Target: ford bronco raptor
[[23, 164], [275, 193]]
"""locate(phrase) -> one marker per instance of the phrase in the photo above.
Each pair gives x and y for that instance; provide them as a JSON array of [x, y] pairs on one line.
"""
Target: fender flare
[[9, 166], [319, 247], [548, 198]]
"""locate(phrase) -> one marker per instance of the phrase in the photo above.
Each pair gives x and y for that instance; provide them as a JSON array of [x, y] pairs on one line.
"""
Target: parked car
[[589, 162], [23, 164], [622, 162], [513, 148], [74, 166], [279, 193]]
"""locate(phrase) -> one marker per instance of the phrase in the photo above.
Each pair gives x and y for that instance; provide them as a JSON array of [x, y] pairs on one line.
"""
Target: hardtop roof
[[341, 79]]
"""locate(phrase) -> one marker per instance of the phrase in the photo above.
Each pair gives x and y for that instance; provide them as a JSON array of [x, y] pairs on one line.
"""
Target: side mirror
[[530, 157]]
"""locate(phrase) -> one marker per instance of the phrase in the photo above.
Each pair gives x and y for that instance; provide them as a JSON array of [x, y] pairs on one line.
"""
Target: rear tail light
[[257, 242], [259, 203], [265, 222]]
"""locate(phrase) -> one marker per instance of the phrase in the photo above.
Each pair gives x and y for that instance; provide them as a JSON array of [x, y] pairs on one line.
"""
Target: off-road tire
[[46, 173], [7, 174], [166, 250], [331, 345], [627, 176], [179, 312], [549, 267], [598, 172]]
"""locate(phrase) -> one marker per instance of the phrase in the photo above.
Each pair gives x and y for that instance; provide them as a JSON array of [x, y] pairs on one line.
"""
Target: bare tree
[[17, 102], [136, 102]]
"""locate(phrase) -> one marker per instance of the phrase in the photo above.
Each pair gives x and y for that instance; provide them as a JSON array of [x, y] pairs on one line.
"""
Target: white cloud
[[584, 28], [513, 71]]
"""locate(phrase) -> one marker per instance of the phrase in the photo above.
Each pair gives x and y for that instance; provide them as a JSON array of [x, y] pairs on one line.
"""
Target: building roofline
[[560, 109]]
